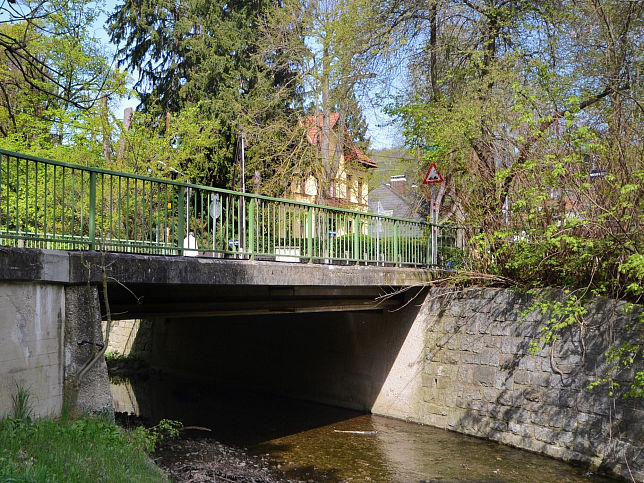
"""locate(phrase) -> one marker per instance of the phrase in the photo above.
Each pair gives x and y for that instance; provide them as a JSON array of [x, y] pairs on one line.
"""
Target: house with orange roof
[[350, 187]]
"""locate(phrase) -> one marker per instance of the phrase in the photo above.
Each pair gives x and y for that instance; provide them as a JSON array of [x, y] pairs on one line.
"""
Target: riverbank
[[194, 456], [96, 449], [88, 449]]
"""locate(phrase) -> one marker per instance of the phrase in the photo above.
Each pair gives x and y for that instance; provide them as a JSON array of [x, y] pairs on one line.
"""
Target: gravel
[[194, 459]]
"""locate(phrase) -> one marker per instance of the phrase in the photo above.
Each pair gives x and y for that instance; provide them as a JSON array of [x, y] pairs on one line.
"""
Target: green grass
[[21, 405], [90, 449]]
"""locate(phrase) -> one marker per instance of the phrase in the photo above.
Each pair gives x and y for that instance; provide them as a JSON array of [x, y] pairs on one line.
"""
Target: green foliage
[[633, 268], [356, 123], [148, 438], [561, 314], [565, 311], [83, 450], [116, 356], [56, 89], [535, 150], [204, 64], [637, 387], [622, 358]]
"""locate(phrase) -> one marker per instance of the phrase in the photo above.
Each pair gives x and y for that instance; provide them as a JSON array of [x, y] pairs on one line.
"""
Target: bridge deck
[[23, 264], [149, 285]]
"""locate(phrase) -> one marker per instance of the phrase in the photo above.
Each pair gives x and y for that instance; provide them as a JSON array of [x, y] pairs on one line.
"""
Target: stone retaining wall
[[127, 338], [479, 378]]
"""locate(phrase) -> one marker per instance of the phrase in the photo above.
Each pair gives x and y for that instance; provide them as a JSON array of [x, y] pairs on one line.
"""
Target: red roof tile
[[352, 153], [313, 134]]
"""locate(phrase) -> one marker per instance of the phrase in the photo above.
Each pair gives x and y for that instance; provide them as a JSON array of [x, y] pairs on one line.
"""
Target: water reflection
[[302, 439], [238, 417]]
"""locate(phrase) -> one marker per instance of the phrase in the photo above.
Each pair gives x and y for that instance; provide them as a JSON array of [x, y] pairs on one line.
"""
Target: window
[[333, 189], [349, 187]]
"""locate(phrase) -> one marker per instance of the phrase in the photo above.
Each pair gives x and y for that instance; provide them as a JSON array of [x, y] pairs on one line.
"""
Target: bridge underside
[[143, 301], [283, 313]]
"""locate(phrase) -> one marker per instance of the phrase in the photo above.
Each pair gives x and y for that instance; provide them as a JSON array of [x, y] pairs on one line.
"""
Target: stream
[[239, 435]]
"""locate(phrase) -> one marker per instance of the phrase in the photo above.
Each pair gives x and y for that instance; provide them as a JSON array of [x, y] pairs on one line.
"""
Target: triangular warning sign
[[432, 176]]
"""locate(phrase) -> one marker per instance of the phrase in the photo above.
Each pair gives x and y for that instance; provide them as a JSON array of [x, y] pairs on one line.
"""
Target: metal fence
[[54, 205]]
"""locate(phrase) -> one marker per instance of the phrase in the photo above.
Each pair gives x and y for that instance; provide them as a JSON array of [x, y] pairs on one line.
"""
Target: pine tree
[[201, 62]]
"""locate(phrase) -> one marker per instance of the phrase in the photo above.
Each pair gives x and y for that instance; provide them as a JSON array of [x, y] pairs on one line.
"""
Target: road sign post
[[215, 212], [433, 177]]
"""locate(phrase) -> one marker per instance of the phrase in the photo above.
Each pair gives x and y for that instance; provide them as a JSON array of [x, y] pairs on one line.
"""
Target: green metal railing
[[54, 205]]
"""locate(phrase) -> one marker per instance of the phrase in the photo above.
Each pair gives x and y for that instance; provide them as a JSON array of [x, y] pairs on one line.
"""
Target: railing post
[[434, 245], [429, 246], [92, 210], [356, 240], [251, 228], [396, 242], [181, 216], [309, 234]]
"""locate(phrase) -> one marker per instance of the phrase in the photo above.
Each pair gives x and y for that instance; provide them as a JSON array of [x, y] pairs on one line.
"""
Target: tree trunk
[[127, 123], [107, 131], [433, 25], [325, 139]]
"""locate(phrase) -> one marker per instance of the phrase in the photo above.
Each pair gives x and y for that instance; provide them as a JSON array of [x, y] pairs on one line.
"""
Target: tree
[[65, 24], [202, 62], [343, 45], [356, 123], [520, 103], [50, 82]]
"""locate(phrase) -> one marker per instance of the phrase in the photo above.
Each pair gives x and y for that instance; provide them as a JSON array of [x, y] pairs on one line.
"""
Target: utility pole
[[242, 231]]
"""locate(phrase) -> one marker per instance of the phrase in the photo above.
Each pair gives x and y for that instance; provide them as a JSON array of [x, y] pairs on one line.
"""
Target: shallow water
[[302, 439]]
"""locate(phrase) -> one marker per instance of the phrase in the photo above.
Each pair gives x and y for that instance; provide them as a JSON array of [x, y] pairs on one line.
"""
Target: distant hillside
[[393, 161]]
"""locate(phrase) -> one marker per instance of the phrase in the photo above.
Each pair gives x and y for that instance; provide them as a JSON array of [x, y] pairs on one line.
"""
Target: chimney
[[399, 184]]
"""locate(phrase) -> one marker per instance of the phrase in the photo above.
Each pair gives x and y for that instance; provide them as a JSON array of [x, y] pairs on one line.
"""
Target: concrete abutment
[[47, 333], [83, 341]]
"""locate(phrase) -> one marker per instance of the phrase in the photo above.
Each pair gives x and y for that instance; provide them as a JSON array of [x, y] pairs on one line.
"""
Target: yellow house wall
[[343, 189]]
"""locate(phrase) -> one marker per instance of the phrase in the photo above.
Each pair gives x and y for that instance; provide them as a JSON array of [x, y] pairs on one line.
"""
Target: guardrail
[[55, 205]]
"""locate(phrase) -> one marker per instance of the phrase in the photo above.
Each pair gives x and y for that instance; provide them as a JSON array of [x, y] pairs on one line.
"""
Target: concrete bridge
[[78, 243], [166, 249], [458, 361], [145, 285]]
